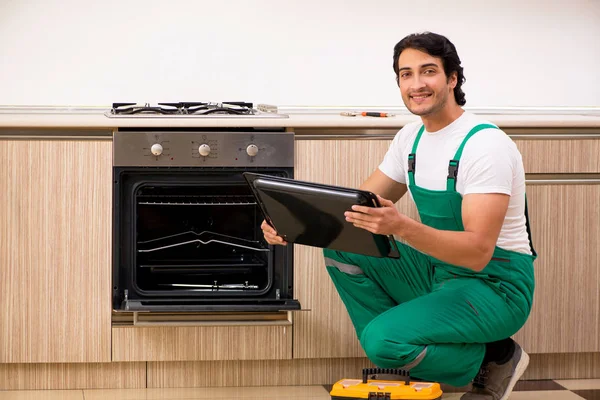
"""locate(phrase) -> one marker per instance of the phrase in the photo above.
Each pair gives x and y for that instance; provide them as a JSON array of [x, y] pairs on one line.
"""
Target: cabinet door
[[55, 247], [325, 331], [565, 223]]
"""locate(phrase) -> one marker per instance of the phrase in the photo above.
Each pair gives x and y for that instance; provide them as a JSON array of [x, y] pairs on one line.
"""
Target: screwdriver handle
[[375, 114]]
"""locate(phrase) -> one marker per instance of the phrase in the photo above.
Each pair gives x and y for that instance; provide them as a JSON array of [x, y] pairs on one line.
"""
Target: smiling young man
[[464, 283]]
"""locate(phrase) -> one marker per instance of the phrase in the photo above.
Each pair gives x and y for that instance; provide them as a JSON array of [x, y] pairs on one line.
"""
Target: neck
[[442, 118]]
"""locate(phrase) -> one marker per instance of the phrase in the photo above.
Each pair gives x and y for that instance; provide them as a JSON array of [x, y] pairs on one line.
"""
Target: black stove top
[[184, 108]]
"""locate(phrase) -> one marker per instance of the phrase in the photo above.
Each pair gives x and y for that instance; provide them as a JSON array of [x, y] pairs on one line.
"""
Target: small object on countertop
[[366, 114], [376, 114], [266, 108]]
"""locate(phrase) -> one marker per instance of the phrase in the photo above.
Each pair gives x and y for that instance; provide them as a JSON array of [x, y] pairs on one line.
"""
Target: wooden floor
[[588, 389]]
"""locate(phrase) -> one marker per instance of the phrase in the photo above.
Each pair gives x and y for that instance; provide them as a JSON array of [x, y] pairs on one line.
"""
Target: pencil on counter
[[366, 114]]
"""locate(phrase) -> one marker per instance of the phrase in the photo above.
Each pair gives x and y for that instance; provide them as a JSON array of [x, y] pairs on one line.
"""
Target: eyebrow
[[421, 67]]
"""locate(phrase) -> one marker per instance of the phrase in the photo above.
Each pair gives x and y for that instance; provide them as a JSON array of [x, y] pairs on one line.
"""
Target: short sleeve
[[393, 164], [488, 164]]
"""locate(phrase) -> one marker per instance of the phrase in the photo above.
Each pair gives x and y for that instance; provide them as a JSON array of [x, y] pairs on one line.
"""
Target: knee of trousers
[[386, 348], [335, 254]]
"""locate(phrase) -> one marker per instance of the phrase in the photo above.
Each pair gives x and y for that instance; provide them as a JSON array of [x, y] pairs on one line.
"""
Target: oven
[[186, 228]]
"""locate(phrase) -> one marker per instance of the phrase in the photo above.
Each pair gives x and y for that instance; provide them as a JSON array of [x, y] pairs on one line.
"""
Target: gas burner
[[193, 109], [134, 108], [184, 108]]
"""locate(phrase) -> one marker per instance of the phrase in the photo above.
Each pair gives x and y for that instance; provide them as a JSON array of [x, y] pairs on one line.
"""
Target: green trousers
[[431, 319]]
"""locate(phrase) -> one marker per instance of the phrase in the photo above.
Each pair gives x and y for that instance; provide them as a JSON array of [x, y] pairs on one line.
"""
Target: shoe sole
[[519, 370]]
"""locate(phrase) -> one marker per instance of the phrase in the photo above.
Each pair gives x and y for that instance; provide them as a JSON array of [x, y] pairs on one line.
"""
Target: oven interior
[[200, 240]]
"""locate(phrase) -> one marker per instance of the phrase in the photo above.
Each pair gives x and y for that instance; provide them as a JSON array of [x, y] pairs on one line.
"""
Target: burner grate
[[184, 108]]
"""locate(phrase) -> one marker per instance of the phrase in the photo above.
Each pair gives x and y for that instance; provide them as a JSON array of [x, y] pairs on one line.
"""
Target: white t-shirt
[[490, 163]]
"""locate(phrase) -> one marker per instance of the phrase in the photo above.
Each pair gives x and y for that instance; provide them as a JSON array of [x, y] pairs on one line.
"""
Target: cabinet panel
[[560, 155], [202, 343], [565, 222], [55, 251], [71, 376]]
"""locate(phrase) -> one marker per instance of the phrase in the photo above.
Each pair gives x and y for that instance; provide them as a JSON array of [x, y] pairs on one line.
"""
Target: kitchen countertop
[[71, 118]]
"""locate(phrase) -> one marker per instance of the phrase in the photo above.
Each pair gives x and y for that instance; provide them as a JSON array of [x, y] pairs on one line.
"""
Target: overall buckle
[[411, 162], [453, 169]]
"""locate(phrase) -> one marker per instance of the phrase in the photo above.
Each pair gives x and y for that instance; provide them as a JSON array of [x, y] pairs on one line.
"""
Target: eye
[[429, 71], [404, 75]]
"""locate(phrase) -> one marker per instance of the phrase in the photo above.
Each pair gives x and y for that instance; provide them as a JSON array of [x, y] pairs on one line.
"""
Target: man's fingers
[[271, 236], [267, 228], [362, 209], [385, 202], [352, 217], [274, 239]]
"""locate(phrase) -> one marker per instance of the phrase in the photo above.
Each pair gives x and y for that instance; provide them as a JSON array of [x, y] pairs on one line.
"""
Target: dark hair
[[437, 46]]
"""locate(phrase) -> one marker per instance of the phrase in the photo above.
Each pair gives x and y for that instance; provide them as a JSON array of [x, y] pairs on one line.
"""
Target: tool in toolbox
[[374, 389]]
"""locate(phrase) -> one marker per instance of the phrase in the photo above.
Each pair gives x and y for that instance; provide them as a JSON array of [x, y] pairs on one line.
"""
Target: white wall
[[294, 52]]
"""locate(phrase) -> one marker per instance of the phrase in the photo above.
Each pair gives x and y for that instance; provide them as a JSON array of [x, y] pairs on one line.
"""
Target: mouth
[[420, 98]]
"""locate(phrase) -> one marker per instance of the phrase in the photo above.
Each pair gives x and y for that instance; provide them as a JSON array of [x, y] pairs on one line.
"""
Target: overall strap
[[453, 165], [412, 157]]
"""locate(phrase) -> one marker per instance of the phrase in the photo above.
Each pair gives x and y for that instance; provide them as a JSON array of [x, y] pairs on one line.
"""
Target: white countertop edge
[[321, 119]]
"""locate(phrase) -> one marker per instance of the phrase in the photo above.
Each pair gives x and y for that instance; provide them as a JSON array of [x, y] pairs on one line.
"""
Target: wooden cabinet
[[55, 259], [563, 193], [565, 219], [559, 155], [55, 251], [565, 222]]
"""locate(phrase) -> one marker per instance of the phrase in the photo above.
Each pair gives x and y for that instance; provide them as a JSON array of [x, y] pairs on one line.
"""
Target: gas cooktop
[[229, 109]]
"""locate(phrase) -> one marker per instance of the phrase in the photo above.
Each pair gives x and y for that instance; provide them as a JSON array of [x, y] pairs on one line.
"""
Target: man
[[464, 283]]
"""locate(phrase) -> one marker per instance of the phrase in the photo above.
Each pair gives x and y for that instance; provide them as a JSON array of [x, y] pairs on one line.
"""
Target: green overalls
[[430, 317]]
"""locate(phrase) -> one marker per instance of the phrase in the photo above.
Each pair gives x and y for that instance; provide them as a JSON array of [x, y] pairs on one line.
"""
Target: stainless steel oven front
[[186, 228]]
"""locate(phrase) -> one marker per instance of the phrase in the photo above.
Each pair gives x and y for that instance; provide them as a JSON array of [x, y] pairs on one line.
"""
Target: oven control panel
[[210, 149]]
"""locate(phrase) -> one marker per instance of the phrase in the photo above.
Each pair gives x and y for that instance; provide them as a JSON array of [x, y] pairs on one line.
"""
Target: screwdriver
[[366, 114]]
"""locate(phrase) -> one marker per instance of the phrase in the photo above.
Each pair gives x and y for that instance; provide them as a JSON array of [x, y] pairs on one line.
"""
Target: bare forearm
[[465, 249]]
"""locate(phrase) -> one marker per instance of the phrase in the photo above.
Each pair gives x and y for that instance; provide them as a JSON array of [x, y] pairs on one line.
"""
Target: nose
[[416, 83]]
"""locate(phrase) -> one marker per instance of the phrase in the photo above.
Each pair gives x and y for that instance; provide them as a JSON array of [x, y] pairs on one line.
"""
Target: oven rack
[[214, 287], [205, 238], [197, 200]]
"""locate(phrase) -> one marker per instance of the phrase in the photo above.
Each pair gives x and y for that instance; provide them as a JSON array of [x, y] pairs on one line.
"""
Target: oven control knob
[[252, 150], [204, 150], [156, 149]]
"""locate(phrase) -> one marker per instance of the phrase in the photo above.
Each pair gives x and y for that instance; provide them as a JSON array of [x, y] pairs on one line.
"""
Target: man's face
[[423, 84]]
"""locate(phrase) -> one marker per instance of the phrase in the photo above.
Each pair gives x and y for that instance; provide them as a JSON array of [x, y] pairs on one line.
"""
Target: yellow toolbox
[[371, 388]]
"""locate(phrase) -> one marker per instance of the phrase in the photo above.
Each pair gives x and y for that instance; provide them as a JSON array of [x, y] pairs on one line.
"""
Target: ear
[[453, 80]]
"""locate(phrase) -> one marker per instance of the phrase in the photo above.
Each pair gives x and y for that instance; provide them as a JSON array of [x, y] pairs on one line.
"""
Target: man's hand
[[271, 235], [384, 220]]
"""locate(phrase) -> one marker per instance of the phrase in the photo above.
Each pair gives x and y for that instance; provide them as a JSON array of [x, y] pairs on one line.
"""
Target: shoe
[[496, 382]]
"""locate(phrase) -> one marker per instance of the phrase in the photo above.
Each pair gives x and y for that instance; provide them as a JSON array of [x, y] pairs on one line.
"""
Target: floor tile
[[528, 395], [580, 384], [593, 394], [545, 395], [245, 393], [529, 386], [452, 396], [41, 395]]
